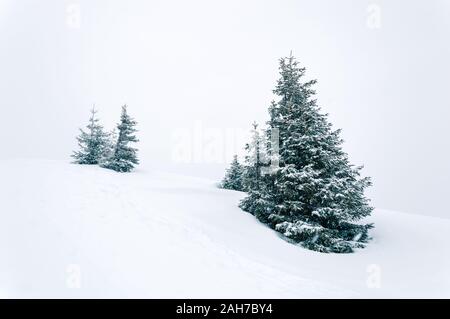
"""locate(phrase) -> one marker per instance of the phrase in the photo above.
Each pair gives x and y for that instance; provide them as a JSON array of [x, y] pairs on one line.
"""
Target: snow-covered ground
[[79, 231]]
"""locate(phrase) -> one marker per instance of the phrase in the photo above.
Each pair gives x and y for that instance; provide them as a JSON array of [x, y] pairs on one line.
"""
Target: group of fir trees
[[301, 183], [109, 150]]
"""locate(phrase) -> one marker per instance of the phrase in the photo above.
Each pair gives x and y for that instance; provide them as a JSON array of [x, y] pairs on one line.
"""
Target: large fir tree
[[124, 157], [233, 176], [316, 196], [92, 142]]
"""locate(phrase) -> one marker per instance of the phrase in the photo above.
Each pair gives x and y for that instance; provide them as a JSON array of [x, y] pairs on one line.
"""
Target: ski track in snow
[[155, 235]]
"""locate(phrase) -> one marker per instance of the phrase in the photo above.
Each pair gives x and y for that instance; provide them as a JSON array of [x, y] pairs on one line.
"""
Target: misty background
[[196, 74]]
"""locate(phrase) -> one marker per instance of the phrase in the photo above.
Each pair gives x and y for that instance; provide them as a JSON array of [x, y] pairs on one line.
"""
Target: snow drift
[[73, 231]]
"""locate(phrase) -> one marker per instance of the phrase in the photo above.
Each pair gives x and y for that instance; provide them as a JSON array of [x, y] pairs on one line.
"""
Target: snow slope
[[79, 231]]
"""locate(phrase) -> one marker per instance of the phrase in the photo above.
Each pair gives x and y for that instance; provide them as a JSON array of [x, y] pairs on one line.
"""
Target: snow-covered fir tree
[[255, 181], [233, 176], [315, 196], [111, 141], [124, 157], [92, 142], [254, 159]]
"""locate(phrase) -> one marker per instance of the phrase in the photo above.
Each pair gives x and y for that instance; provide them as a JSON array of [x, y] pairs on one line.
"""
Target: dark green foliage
[[124, 157], [315, 195], [233, 176]]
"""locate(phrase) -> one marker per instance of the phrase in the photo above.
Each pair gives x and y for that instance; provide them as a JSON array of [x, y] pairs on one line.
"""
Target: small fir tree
[[254, 159], [254, 179], [124, 157], [110, 147], [233, 176], [92, 142]]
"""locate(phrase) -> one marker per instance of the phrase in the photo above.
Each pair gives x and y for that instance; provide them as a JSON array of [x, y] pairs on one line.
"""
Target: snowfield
[[72, 231]]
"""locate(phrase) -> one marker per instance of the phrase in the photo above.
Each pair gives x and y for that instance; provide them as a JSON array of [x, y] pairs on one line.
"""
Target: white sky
[[207, 69]]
